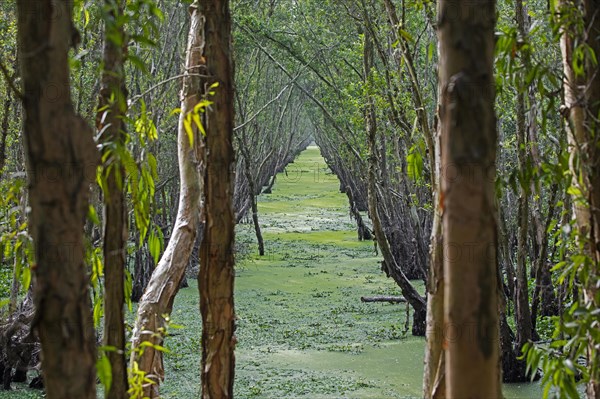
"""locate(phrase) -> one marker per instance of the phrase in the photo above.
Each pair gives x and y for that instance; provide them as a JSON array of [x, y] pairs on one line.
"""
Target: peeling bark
[[165, 281]]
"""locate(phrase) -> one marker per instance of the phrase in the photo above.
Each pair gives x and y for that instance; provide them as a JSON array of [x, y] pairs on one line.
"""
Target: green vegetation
[[302, 330]]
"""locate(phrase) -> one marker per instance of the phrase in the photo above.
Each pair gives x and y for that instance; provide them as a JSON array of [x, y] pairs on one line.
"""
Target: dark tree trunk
[[110, 121], [143, 268], [216, 276], [61, 164]]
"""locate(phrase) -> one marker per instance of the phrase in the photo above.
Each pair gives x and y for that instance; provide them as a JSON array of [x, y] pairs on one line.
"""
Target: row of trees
[[130, 101], [376, 77]]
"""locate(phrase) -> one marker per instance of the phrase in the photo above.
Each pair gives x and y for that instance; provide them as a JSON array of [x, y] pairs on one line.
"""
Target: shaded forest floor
[[302, 330]]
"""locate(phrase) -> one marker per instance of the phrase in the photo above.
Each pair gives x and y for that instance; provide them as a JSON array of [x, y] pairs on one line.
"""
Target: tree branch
[[10, 81]]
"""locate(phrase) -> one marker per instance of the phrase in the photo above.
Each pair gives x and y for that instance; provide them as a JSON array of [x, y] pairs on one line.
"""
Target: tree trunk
[[434, 381], [243, 147], [582, 104], [544, 287], [216, 276], [164, 283], [434, 377], [255, 221], [468, 123], [112, 106], [61, 162], [523, 320], [142, 272], [362, 230]]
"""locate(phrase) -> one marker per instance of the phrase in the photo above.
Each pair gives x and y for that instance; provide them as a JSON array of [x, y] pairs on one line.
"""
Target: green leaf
[[138, 63], [430, 51], [98, 311], [154, 246], [187, 125], [407, 36], [104, 370], [26, 278], [128, 288], [93, 216], [153, 165], [414, 162]]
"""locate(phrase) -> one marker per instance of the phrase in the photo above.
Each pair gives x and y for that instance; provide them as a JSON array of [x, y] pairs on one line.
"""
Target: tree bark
[[216, 275], [582, 106], [466, 34], [523, 321], [112, 108], [164, 283], [61, 161], [434, 381], [251, 191], [434, 377]]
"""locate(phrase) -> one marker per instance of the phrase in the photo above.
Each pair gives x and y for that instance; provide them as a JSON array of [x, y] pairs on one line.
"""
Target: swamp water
[[302, 330]]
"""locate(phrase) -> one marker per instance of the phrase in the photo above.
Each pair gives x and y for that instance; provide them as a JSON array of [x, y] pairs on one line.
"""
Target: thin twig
[[235, 129], [135, 99], [10, 82]]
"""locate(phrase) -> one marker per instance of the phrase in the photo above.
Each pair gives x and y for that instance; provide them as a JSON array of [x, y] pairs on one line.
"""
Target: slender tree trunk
[[523, 320], [216, 276], [468, 123], [112, 107], [243, 146], [61, 162], [434, 378], [582, 106], [255, 221], [521, 295], [544, 287], [434, 382], [164, 283], [4, 129]]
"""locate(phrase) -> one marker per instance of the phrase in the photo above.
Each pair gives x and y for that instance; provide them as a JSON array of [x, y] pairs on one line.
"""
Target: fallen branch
[[390, 299]]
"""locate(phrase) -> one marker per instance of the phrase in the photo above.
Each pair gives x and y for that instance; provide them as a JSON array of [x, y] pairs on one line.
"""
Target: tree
[[158, 298], [467, 198], [61, 162], [410, 293], [580, 47], [216, 275], [110, 122]]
